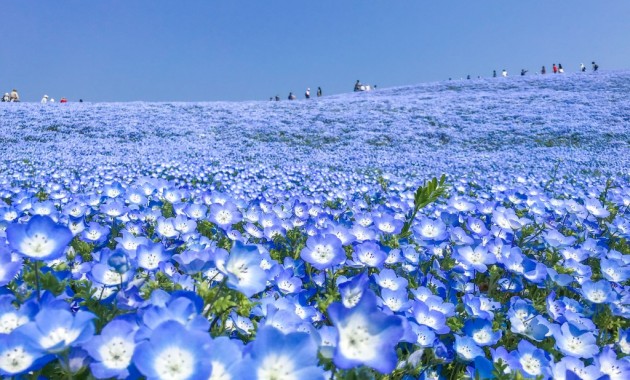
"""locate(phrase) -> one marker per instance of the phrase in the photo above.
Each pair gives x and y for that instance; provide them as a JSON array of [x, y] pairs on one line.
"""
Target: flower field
[[464, 229]]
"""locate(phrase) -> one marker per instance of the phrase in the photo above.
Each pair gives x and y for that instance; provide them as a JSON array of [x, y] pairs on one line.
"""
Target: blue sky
[[196, 50]]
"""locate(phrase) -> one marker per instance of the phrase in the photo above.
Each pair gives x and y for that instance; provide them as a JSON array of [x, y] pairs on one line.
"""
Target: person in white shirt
[[44, 99], [504, 73]]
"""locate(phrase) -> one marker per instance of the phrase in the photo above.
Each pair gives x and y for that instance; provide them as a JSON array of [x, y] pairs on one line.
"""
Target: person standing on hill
[[560, 69], [14, 97], [44, 99], [523, 72], [291, 96], [357, 86], [494, 73], [595, 66], [6, 97], [504, 73], [543, 71], [319, 92], [582, 67], [307, 94], [555, 69]]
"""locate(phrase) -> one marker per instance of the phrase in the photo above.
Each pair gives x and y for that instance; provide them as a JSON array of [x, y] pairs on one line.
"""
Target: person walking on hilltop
[[555, 68], [494, 73], [291, 96], [319, 92], [595, 66], [5, 97], [44, 99], [560, 69], [543, 71], [523, 72], [504, 73], [307, 94], [357, 86], [14, 97], [582, 68]]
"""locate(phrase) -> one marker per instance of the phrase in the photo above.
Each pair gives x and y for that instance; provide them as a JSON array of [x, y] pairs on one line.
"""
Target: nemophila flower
[[574, 342], [366, 335], [10, 266], [193, 262], [39, 239], [95, 233], [598, 292], [323, 251], [353, 289], [243, 270], [287, 283], [225, 215], [477, 226], [150, 255], [114, 208], [615, 270], [481, 307], [476, 259], [54, 329], [425, 335], [466, 348], [173, 352], [362, 233], [480, 330], [595, 207], [506, 219], [11, 317], [369, 254], [532, 361], [395, 300], [386, 223], [165, 227], [608, 364], [569, 368], [431, 230], [274, 355], [431, 318], [19, 356], [388, 279], [225, 357], [112, 350], [623, 342], [129, 243], [109, 274], [555, 239]]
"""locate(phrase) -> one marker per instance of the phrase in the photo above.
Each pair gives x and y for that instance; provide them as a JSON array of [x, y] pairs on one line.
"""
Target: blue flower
[[55, 329], [608, 364], [112, 350], [274, 355], [225, 357], [466, 348], [173, 352], [533, 361], [243, 269], [480, 330], [598, 292], [573, 342], [39, 239], [323, 251], [366, 335], [19, 355]]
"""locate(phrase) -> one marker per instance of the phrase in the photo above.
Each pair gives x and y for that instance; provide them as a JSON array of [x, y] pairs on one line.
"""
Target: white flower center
[[276, 367], [356, 342], [117, 353], [174, 363], [15, 360]]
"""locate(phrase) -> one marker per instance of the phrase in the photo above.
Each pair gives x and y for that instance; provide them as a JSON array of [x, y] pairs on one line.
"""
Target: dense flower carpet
[[465, 229]]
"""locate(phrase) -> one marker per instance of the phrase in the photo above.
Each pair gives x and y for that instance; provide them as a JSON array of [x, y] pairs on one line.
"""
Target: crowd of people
[[307, 95], [556, 69]]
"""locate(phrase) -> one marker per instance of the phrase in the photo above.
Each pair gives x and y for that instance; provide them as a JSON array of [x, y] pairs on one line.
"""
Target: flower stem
[[37, 280]]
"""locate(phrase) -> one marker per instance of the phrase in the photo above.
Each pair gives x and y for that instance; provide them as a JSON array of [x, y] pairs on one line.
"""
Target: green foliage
[[426, 194]]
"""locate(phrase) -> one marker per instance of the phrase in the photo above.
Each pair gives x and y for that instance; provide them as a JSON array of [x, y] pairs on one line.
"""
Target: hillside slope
[[523, 124]]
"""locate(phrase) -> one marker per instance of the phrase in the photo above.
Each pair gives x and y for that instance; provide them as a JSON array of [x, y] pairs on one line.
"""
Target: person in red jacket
[[63, 100], [555, 69]]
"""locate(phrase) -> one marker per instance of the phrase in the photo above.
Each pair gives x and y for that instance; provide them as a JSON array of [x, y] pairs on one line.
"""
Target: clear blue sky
[[194, 50]]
